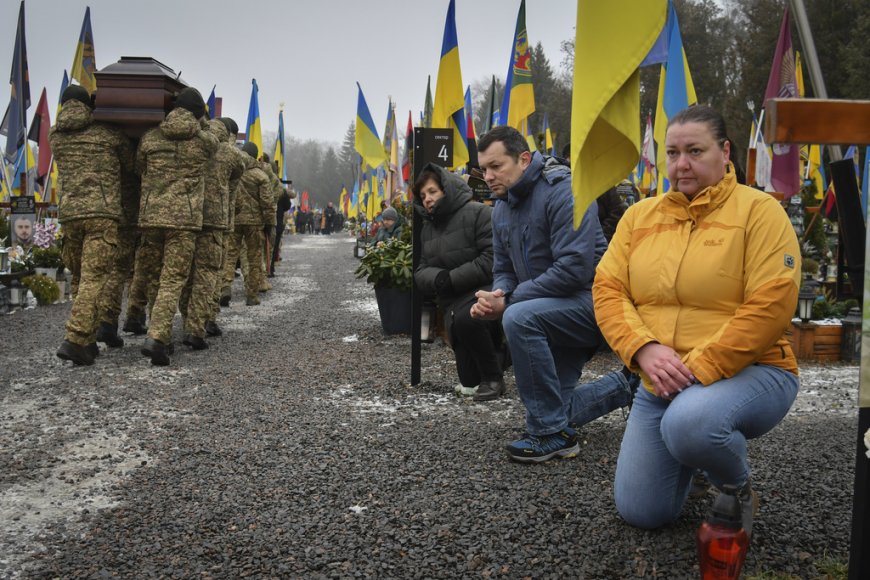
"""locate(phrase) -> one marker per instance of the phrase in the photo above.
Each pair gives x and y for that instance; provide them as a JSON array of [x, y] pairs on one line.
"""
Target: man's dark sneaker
[[134, 326], [157, 351], [252, 301], [93, 350], [226, 296], [534, 449], [212, 328], [108, 334], [76, 353], [489, 390], [195, 342], [700, 485], [749, 503]]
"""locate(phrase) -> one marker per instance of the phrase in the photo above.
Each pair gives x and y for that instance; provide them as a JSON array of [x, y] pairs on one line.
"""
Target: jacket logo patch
[[712, 243], [789, 261]]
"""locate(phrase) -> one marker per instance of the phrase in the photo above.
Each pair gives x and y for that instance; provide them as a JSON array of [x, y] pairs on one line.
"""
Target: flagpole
[[806, 35]]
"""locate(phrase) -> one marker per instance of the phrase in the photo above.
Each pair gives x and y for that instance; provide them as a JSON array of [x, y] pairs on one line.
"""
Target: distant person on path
[[542, 290], [283, 206], [328, 218], [456, 262], [91, 159], [695, 293]]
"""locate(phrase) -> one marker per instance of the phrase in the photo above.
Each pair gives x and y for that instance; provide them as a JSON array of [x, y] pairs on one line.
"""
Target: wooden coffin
[[135, 93]]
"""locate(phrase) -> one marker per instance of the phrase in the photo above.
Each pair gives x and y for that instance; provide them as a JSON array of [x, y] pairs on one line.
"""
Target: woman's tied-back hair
[[703, 114]]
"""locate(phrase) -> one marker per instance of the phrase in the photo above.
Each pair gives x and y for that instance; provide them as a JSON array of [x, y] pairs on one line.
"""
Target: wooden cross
[[833, 122]]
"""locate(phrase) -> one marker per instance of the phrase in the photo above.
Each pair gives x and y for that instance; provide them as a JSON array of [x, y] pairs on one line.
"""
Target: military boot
[[195, 342], [157, 351], [135, 326], [108, 334], [226, 296], [212, 328], [76, 353]]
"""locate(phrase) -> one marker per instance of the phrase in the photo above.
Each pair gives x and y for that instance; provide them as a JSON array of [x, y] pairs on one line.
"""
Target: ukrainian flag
[[353, 209], [611, 41], [254, 133], [449, 106], [85, 62], [366, 140], [676, 92], [279, 147], [519, 96], [549, 145]]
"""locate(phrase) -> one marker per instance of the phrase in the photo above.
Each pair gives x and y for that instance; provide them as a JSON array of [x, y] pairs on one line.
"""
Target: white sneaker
[[465, 391]]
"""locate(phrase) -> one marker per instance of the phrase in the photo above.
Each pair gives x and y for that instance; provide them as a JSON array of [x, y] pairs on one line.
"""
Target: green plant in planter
[[388, 265], [45, 290], [49, 257], [829, 307]]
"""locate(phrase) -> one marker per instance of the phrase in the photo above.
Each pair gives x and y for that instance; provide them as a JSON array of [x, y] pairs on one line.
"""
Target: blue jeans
[[550, 340], [701, 428]]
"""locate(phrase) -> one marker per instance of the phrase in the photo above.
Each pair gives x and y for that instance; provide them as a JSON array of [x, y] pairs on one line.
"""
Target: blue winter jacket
[[537, 251]]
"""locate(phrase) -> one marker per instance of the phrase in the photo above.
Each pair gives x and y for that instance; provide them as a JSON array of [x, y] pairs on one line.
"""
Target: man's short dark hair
[[513, 141]]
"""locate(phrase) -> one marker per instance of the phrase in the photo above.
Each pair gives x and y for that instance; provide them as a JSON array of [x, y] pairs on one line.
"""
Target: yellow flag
[[612, 39]]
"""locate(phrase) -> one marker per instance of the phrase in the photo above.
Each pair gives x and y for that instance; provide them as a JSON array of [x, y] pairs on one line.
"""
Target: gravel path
[[295, 447]]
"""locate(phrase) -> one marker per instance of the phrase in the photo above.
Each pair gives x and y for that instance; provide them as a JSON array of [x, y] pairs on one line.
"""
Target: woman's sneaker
[[533, 449]]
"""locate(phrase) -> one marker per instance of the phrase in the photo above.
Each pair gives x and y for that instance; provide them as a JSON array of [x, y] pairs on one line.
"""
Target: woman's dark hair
[[703, 114], [425, 176]]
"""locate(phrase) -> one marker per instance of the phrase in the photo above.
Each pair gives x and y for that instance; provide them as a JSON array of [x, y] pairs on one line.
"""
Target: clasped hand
[[489, 305], [663, 366]]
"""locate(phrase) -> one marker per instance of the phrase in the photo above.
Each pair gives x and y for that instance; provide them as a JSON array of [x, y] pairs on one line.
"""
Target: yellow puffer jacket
[[716, 279]]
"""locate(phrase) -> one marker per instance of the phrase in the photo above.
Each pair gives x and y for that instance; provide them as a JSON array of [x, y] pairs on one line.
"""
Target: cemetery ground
[[296, 447]]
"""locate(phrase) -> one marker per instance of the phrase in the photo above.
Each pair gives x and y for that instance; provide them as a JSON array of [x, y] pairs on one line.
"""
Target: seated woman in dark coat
[[456, 262]]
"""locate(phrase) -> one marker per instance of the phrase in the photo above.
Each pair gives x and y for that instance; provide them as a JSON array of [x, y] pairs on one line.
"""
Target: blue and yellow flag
[[612, 39], [211, 103], [353, 206], [254, 132], [279, 147], [85, 62], [14, 124], [449, 107], [366, 140], [519, 96], [549, 145], [676, 92]]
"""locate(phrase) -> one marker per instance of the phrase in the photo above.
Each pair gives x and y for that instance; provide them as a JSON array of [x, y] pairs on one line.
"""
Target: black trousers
[[477, 345], [279, 231]]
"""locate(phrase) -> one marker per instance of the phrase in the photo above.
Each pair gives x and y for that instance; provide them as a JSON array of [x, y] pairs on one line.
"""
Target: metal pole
[[812, 60]]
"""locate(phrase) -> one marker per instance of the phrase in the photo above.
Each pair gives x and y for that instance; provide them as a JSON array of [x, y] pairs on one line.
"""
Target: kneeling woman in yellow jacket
[[695, 293]]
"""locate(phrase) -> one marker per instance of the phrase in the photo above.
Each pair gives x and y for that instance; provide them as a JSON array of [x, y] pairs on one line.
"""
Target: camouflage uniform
[[91, 158], [128, 239], [171, 160], [275, 191], [198, 295], [224, 286], [252, 211]]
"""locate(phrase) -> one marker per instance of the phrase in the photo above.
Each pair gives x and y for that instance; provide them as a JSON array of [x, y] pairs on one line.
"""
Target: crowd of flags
[[614, 39]]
